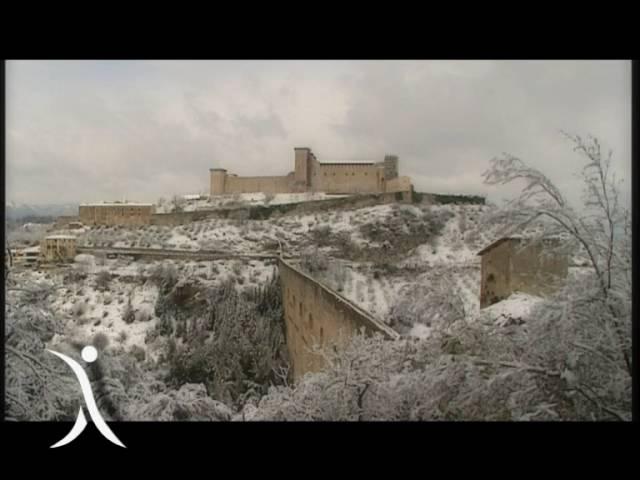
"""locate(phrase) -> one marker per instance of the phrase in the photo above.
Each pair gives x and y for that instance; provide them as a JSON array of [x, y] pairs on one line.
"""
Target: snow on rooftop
[[60, 237]]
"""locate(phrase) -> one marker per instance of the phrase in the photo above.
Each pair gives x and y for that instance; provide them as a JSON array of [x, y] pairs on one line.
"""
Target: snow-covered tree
[[585, 330], [37, 385]]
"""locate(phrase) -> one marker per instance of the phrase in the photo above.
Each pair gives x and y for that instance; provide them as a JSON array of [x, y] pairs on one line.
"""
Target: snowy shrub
[[100, 341], [164, 275], [74, 276], [128, 315], [246, 344], [576, 333], [377, 379], [313, 261], [320, 234], [142, 316], [138, 353], [38, 385], [236, 268], [189, 403], [102, 280], [79, 308]]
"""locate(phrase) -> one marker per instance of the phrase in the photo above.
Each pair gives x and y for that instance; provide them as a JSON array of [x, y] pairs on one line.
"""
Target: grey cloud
[[80, 131], [261, 125], [445, 125]]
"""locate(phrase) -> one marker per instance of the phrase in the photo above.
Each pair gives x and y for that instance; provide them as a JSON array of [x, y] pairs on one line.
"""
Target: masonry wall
[[508, 268], [309, 175], [122, 214], [494, 275], [348, 178], [536, 269], [399, 184], [235, 184], [315, 314]]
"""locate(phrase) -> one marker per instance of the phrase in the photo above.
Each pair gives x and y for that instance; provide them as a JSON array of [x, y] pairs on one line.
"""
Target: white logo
[[89, 355]]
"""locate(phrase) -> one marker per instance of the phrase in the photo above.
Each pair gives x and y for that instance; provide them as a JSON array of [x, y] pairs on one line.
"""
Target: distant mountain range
[[15, 211]]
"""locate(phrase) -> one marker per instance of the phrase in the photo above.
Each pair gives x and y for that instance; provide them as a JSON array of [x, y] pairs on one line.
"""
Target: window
[[310, 320], [300, 308]]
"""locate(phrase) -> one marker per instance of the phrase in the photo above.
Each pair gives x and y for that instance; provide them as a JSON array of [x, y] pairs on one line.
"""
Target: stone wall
[[345, 178], [116, 214], [399, 184], [316, 315], [512, 266], [309, 175], [235, 184]]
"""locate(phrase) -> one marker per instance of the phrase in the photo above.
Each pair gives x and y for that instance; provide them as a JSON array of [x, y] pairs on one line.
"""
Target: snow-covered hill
[[380, 257]]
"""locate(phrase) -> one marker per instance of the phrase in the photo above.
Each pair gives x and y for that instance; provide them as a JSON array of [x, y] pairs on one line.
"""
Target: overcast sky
[[104, 130]]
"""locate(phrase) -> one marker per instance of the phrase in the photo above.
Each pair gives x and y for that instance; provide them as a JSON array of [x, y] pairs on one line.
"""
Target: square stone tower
[[390, 167], [302, 174]]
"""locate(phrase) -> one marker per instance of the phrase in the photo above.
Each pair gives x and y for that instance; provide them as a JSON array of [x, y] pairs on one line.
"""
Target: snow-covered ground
[[514, 309], [191, 204], [87, 310], [450, 255]]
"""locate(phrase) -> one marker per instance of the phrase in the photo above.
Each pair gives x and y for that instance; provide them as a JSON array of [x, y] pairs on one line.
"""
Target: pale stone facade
[[310, 175], [58, 248], [116, 213], [509, 265]]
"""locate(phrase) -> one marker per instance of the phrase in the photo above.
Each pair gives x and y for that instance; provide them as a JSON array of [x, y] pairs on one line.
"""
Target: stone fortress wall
[[316, 315], [310, 175]]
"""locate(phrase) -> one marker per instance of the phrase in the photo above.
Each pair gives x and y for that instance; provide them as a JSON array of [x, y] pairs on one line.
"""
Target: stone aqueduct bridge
[[314, 314]]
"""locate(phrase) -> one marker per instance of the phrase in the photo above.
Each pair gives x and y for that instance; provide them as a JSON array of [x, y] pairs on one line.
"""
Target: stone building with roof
[[517, 264], [58, 248]]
